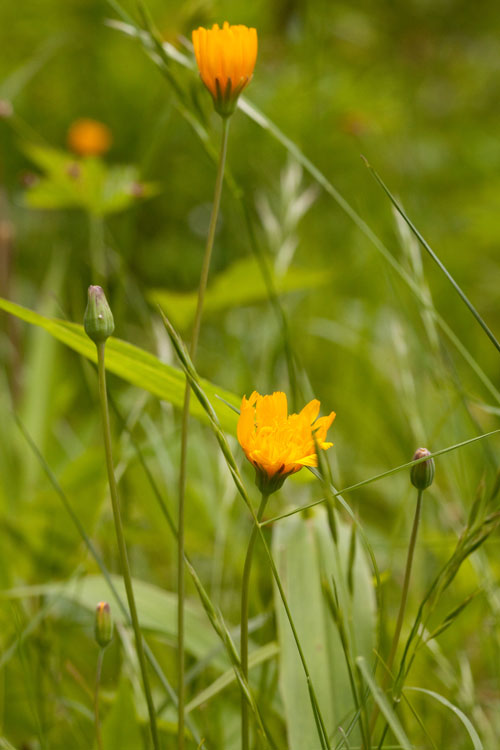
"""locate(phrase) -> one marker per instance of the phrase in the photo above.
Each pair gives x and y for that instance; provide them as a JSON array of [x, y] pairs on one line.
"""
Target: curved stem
[[184, 432], [96, 699], [127, 579], [402, 604], [244, 620]]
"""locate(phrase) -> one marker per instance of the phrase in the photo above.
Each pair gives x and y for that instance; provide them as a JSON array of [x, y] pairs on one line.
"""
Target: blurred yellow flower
[[226, 59], [88, 137], [276, 443]]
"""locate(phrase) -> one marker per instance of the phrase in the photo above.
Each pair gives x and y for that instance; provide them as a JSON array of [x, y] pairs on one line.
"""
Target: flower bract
[[226, 59], [277, 443]]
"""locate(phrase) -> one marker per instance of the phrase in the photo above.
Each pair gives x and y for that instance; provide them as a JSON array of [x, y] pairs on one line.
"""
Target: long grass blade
[[384, 705], [476, 740], [434, 257]]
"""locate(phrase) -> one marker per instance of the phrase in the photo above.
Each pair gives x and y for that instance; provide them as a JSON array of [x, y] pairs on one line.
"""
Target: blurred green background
[[415, 88]]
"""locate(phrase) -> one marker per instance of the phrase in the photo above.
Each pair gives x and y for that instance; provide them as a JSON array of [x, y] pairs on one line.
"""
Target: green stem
[[96, 699], [184, 433], [97, 249], [127, 579], [245, 741], [402, 605]]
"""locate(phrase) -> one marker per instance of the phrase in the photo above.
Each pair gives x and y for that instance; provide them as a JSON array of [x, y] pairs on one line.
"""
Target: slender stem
[[245, 737], [97, 249], [402, 604], [184, 433], [96, 699], [127, 579]]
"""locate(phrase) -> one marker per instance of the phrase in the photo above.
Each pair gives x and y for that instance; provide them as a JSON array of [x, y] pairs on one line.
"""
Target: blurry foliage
[[415, 88]]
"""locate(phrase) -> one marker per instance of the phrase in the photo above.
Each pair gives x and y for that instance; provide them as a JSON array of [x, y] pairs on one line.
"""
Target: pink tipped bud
[[103, 625], [422, 474]]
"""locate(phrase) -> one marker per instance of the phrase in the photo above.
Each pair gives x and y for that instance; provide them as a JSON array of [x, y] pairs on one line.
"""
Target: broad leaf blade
[[136, 366], [239, 285], [305, 557]]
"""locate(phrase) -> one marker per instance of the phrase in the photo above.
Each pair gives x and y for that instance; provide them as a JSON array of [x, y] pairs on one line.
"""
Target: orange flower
[[226, 59], [276, 443], [88, 137]]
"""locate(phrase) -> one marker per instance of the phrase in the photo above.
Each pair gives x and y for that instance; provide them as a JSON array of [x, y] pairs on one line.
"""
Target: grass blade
[[131, 363], [385, 708], [434, 257], [476, 741]]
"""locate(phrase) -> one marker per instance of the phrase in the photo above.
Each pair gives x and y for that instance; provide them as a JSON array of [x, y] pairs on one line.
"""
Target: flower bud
[[103, 625], [98, 319], [422, 474]]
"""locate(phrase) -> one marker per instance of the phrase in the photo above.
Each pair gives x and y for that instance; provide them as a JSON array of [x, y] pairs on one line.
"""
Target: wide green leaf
[[89, 183], [306, 558], [121, 729], [240, 284], [157, 610], [136, 366]]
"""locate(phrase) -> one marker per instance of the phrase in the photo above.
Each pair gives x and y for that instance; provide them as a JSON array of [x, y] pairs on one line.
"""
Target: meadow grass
[[320, 619]]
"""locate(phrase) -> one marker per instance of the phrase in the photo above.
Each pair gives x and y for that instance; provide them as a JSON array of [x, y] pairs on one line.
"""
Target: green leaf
[[240, 284], [120, 730], [136, 366], [478, 745], [157, 610], [305, 557], [88, 183]]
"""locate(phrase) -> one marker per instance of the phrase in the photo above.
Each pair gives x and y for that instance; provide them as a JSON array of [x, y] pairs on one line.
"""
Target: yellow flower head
[[279, 444], [226, 59], [88, 137]]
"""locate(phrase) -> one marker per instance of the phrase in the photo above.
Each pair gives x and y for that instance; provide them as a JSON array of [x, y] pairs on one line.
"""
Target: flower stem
[[244, 621], [96, 699], [402, 604], [185, 428], [97, 249], [127, 579]]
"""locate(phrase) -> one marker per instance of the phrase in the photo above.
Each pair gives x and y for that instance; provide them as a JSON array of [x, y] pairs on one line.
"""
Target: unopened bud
[[103, 625], [422, 474], [98, 319]]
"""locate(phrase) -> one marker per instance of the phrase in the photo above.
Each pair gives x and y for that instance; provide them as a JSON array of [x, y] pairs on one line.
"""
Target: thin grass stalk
[[342, 607], [185, 431], [406, 582], [245, 734], [402, 605], [97, 252], [217, 621], [382, 475], [127, 578], [267, 276], [193, 378], [97, 720]]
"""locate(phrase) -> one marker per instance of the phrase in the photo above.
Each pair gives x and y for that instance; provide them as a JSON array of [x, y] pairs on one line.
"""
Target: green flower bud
[[103, 625], [98, 319], [422, 474]]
